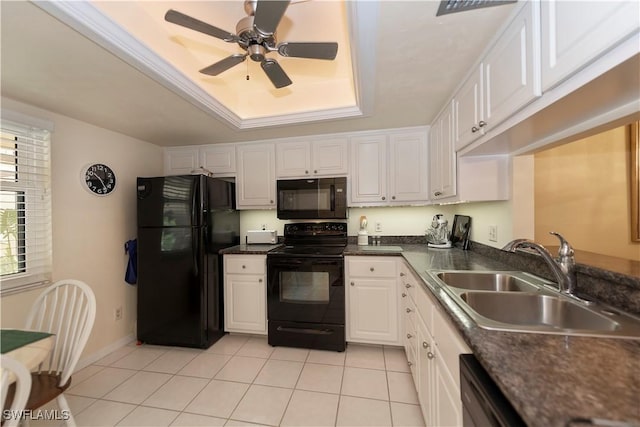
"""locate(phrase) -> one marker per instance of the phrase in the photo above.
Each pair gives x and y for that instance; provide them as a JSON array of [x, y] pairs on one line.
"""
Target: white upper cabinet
[[512, 67], [389, 169], [507, 78], [219, 159], [576, 33], [442, 157], [369, 169], [180, 161], [408, 167], [256, 182], [467, 106], [312, 158]]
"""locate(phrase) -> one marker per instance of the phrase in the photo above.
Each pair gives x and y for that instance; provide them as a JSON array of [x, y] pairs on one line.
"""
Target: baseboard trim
[[92, 358]]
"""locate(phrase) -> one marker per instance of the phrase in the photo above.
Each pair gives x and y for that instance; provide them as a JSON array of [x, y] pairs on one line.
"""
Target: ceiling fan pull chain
[[247, 70]]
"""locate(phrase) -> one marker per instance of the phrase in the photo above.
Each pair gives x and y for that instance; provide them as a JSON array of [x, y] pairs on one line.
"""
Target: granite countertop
[[551, 380], [249, 249]]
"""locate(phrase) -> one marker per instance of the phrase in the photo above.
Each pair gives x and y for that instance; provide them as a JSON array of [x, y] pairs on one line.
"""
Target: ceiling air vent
[[453, 6]]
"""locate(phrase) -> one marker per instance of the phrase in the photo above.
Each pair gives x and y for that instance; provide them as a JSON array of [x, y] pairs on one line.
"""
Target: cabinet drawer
[[425, 307], [372, 267], [408, 281], [245, 264]]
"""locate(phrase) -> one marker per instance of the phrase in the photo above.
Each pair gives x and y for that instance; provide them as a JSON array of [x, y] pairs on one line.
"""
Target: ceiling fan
[[255, 34]]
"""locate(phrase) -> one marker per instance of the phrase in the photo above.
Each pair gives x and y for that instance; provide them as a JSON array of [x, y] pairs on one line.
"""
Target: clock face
[[99, 179]]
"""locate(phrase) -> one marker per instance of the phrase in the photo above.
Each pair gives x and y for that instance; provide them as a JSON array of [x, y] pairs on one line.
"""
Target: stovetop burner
[[313, 239]]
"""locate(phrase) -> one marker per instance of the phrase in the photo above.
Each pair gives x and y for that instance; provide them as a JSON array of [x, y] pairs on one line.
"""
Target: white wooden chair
[[12, 370], [67, 309]]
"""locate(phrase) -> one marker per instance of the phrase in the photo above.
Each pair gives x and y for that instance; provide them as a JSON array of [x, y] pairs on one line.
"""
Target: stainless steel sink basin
[[520, 302], [485, 281], [534, 310]]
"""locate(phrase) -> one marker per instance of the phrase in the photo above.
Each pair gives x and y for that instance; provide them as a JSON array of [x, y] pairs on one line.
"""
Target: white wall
[[89, 231]]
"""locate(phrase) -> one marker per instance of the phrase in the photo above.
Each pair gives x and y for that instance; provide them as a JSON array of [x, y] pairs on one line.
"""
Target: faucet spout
[[563, 268]]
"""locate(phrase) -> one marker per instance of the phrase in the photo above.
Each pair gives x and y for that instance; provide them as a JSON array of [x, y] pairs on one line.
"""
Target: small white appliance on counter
[[263, 237]]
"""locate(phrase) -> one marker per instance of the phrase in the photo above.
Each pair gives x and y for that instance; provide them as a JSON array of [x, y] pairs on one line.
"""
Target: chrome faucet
[[563, 267]]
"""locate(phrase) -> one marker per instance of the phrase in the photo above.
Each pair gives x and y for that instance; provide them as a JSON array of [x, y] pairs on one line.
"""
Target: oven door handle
[[306, 331]]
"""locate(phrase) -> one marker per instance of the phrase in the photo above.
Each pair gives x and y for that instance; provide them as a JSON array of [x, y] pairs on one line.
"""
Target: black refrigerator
[[183, 223]]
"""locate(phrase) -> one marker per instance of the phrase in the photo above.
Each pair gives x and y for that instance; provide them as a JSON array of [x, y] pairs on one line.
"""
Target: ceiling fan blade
[[312, 50], [223, 65], [268, 15], [187, 21], [276, 74]]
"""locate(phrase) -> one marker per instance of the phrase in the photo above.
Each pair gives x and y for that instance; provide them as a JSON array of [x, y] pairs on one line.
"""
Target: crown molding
[[89, 21]]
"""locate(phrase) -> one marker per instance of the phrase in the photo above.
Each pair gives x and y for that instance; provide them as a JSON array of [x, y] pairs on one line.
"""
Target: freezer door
[[172, 286], [172, 201]]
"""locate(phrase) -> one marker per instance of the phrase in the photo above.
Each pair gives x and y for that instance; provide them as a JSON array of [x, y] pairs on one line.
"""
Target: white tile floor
[[241, 380]]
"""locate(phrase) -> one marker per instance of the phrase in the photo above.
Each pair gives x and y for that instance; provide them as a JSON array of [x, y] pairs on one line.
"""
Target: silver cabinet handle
[[244, 266], [371, 269], [259, 280], [409, 336], [437, 193], [402, 274], [482, 123], [384, 198], [425, 344], [352, 284], [393, 197], [315, 171], [409, 310], [404, 295], [407, 285], [271, 201], [430, 355], [306, 172], [475, 129], [410, 363]]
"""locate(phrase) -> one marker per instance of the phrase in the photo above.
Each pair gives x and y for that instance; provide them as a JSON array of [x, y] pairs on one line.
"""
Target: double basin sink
[[520, 302]]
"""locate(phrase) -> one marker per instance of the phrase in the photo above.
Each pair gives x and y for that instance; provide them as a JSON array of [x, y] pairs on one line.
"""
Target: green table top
[[10, 339]]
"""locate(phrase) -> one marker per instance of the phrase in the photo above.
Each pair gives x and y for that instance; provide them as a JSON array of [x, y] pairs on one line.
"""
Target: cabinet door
[[408, 168], [219, 159], [245, 301], [512, 67], [373, 311], [426, 377], [448, 404], [576, 33], [256, 183], [467, 104], [293, 159], [182, 161], [442, 157], [330, 157], [369, 170]]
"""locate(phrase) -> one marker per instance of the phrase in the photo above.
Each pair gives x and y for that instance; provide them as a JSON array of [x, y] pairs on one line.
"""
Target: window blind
[[25, 206]]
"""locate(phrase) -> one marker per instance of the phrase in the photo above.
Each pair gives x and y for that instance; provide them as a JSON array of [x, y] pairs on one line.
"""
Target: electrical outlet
[[117, 313], [493, 233], [378, 226]]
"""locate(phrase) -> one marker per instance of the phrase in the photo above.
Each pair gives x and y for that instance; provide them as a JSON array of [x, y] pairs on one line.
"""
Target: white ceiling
[[418, 58]]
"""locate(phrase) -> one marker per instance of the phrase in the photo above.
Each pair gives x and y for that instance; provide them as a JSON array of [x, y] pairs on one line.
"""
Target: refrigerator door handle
[[195, 246], [195, 197]]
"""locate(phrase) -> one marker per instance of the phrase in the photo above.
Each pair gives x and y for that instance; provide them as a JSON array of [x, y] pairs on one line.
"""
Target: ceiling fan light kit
[[255, 34]]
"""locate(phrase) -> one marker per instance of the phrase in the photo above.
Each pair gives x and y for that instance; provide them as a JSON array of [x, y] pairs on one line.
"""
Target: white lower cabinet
[[372, 302], [245, 293], [436, 349]]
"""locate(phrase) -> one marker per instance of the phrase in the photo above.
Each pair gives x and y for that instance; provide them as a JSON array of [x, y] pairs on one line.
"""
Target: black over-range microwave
[[319, 198]]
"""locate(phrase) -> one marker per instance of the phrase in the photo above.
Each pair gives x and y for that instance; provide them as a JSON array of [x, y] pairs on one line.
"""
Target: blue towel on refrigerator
[[131, 276]]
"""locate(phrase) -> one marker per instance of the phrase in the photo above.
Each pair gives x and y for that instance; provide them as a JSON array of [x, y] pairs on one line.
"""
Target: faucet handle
[[565, 248]]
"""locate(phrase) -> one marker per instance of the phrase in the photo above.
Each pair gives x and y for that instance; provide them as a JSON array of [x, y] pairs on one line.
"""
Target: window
[[25, 207]]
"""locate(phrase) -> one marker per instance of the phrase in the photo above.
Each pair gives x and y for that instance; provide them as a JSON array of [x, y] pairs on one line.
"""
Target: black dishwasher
[[483, 404]]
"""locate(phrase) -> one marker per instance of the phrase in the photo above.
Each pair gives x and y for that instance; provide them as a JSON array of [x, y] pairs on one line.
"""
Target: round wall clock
[[99, 179]]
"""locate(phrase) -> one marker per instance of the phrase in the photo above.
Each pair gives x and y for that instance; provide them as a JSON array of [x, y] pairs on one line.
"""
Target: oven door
[[306, 289]]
